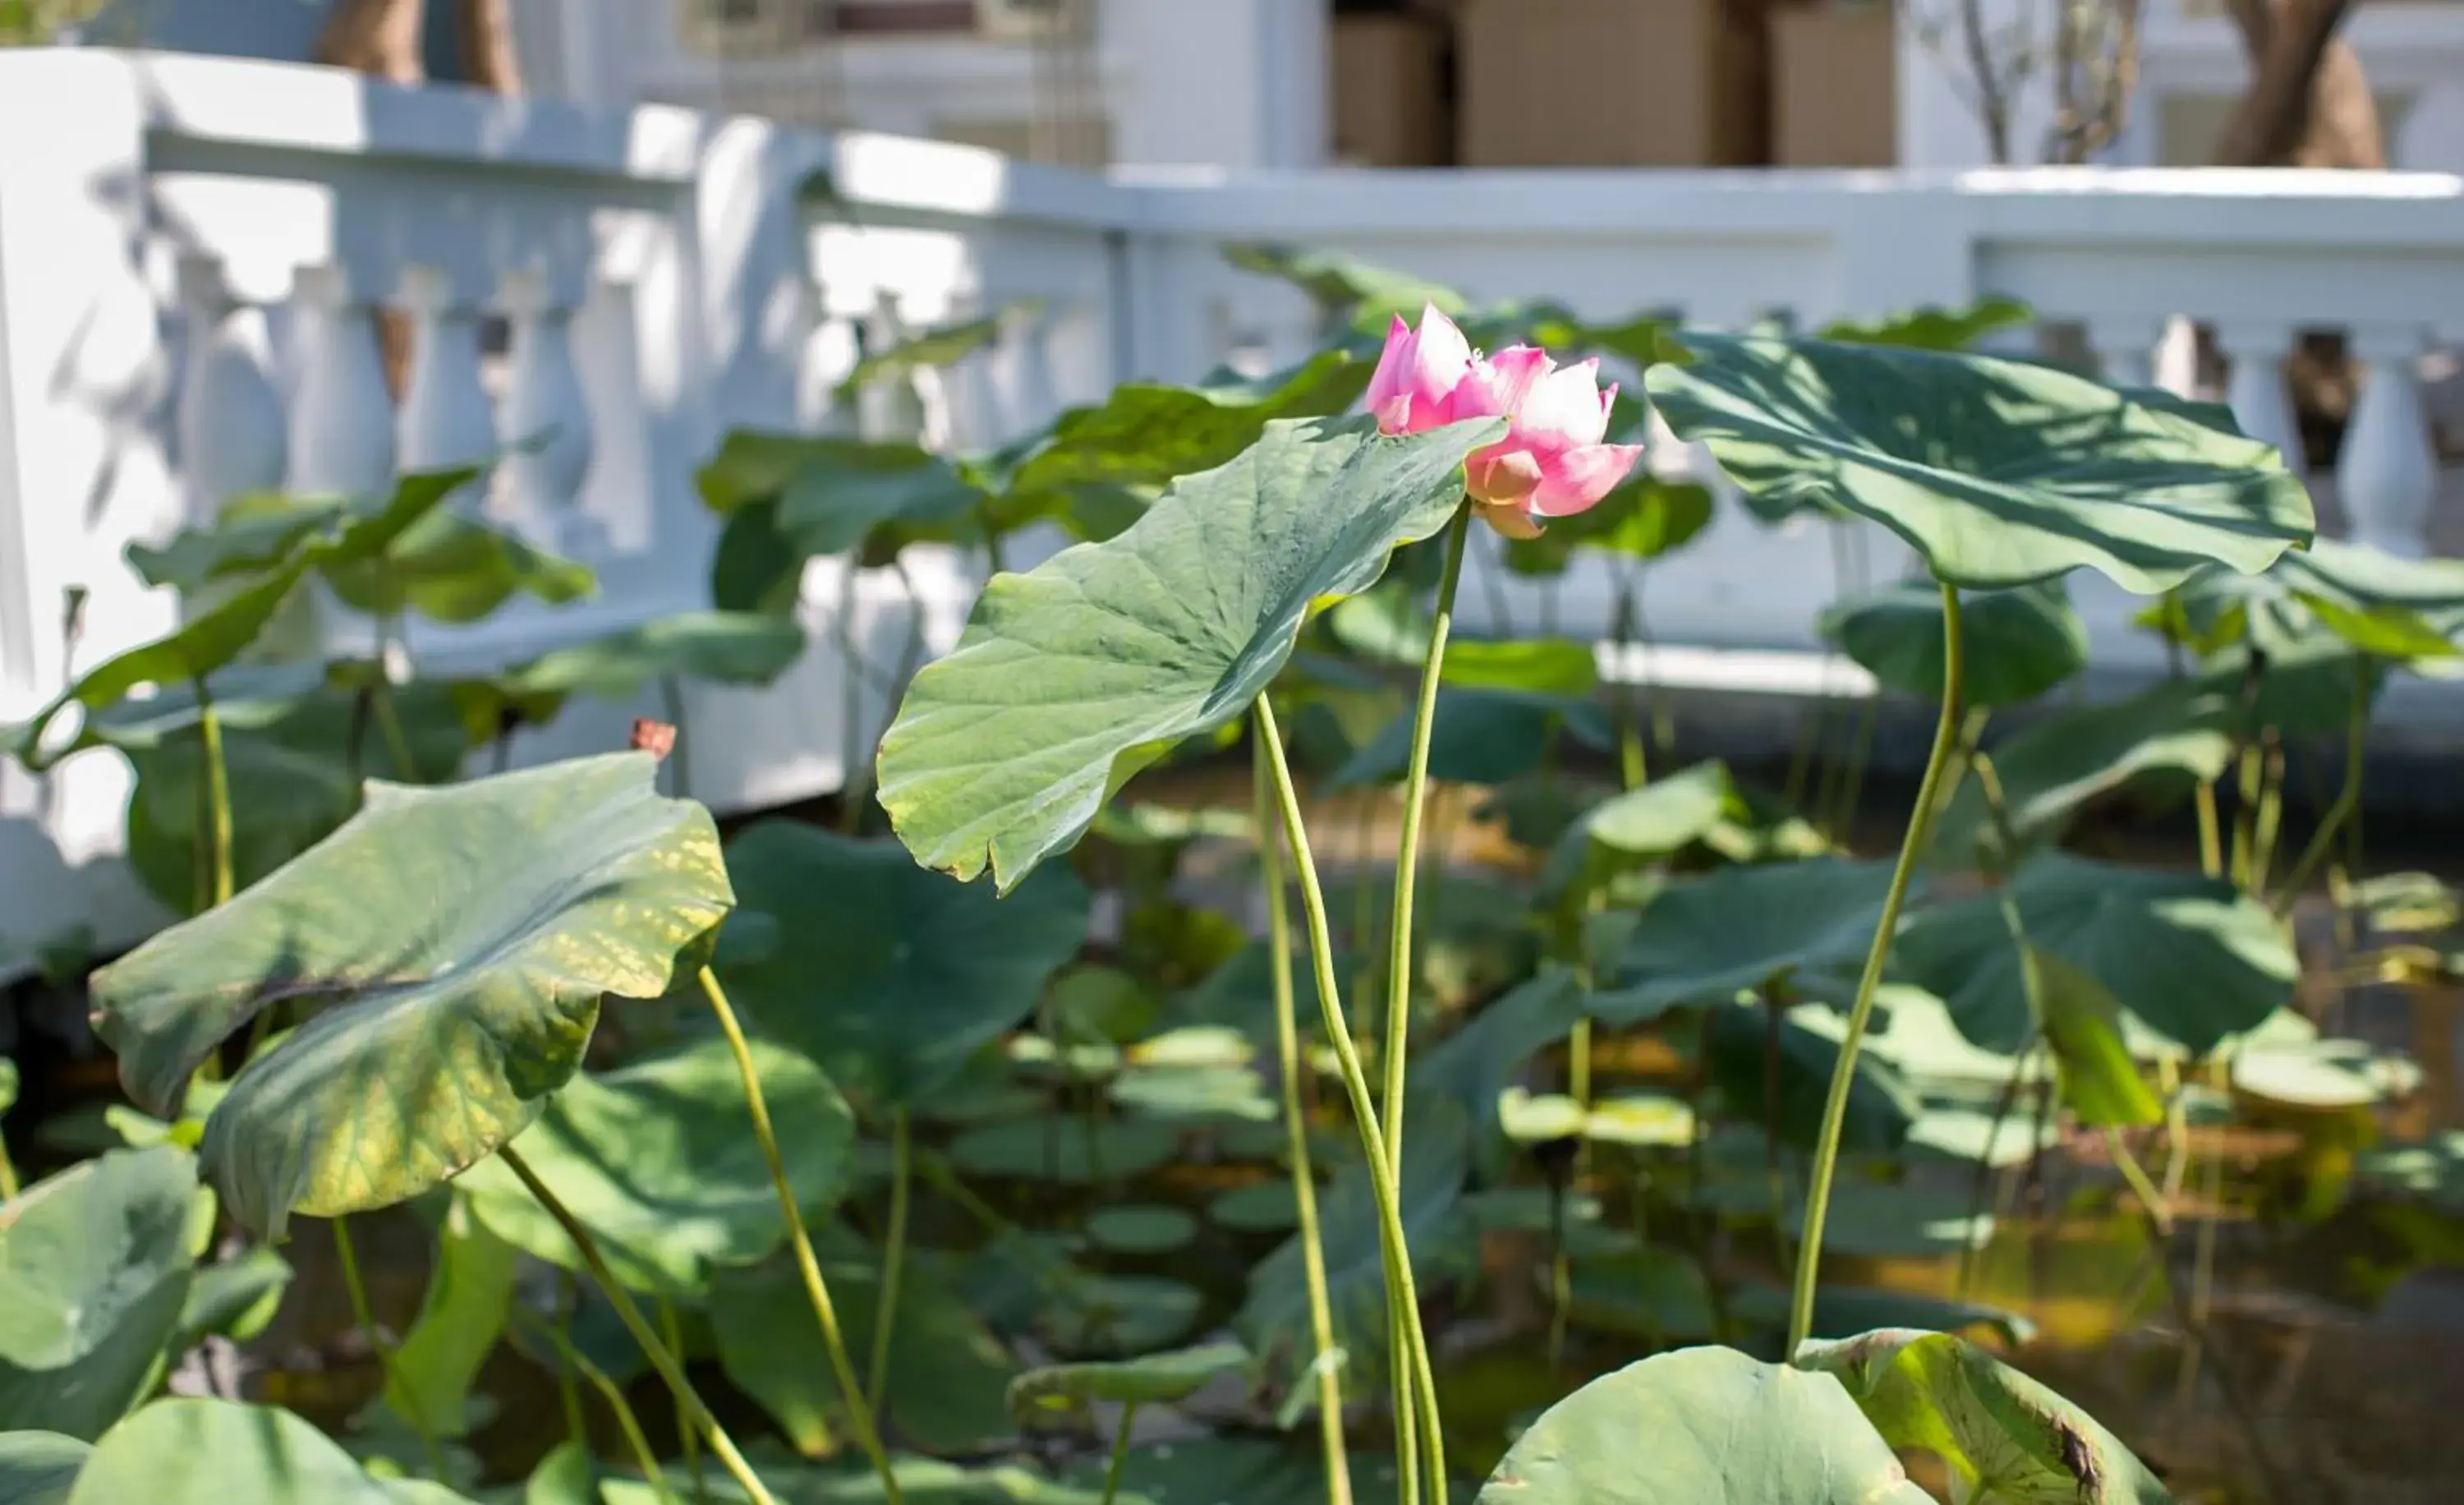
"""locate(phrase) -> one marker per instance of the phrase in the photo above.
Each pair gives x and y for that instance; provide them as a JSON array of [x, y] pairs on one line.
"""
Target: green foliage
[[212, 1452], [2017, 643], [424, 1049]]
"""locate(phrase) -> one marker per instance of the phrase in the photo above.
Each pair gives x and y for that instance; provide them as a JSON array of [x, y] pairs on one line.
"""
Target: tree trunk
[[378, 37], [2308, 103]]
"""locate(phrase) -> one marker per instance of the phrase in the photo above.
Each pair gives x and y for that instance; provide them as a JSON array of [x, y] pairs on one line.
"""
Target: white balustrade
[[667, 276], [232, 421], [2387, 475], [544, 422], [342, 418]]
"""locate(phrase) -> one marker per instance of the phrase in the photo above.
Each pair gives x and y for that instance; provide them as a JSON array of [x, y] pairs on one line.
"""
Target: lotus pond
[[1236, 1039]]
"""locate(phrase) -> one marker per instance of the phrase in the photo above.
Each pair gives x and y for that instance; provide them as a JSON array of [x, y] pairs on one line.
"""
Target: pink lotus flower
[[1551, 462]]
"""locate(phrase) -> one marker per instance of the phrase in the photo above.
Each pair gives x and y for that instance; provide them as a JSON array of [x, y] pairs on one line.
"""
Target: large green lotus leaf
[[1705, 941], [218, 1452], [1541, 665], [1644, 517], [752, 466], [2379, 603], [2058, 766], [851, 1481], [1481, 736], [292, 781], [657, 1159], [94, 1267], [1238, 1471], [1077, 673], [2015, 644], [256, 533], [1150, 435], [1150, 1378], [1777, 1073], [889, 975], [451, 567], [1934, 328], [39, 1467], [235, 1299], [849, 496], [2190, 957], [449, 946], [1998, 473], [948, 1373], [2005, 1436], [1274, 1319], [1656, 1293], [1639, 827], [1703, 1426], [1073, 1151], [748, 648]]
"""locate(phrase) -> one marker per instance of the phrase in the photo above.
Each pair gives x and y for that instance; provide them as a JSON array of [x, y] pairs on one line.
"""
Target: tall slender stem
[[670, 1370], [365, 1315], [218, 809], [2348, 795], [2212, 850], [816, 1289], [1834, 1108], [672, 1328], [1414, 1381], [571, 1361], [1416, 786], [855, 781], [671, 699], [1633, 768], [1288, 1052], [1120, 1453], [389, 715], [568, 1379], [893, 1258]]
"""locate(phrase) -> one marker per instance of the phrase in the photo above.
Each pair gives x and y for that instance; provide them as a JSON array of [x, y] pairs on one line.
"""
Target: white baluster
[[2176, 370], [2387, 474], [546, 421], [1027, 333], [447, 419], [231, 417], [2254, 387], [342, 422], [973, 395], [2124, 349]]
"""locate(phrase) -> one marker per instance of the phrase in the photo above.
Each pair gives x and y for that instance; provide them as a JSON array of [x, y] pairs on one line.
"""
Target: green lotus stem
[[1287, 1056], [571, 1361], [807, 1264], [629, 1312], [1120, 1451], [2211, 858], [1852, 784], [1983, 1177], [2245, 832], [9, 1186], [365, 1315], [893, 1257], [568, 1383], [388, 718], [1416, 789], [2142, 1185], [1633, 770], [1834, 1108], [218, 809], [854, 776], [2348, 795], [672, 1328], [671, 699], [1414, 1381], [2271, 814]]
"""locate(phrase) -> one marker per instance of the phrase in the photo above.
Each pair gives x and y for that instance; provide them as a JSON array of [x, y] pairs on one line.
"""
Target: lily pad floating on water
[[2005, 1436], [657, 1160], [1073, 1151], [1718, 1428], [1238, 1471], [1265, 1206], [1997, 473], [889, 976], [1141, 1228], [1150, 1378], [95, 1267], [542, 892], [1004, 751]]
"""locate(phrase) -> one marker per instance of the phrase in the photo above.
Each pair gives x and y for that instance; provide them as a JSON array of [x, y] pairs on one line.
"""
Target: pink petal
[[1392, 362], [1442, 354], [1501, 474], [1394, 415], [1511, 520], [1564, 410], [1576, 479], [1499, 385]]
